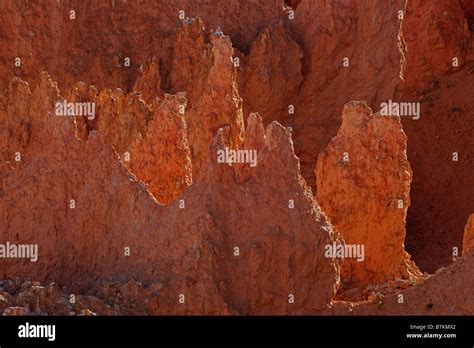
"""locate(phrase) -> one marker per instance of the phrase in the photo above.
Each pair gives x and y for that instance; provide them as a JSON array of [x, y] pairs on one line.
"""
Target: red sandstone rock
[[442, 188], [148, 84], [111, 32], [282, 61], [468, 240], [153, 143], [448, 292], [189, 246], [34, 122], [363, 184], [271, 75], [468, 9], [435, 32], [14, 126], [120, 118], [15, 311], [31, 298], [217, 103], [192, 60], [281, 217], [328, 32]]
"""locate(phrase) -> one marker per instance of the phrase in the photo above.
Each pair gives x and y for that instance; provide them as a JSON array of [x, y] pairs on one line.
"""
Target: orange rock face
[[446, 42], [427, 298], [201, 182], [340, 65], [120, 118], [363, 183], [189, 245], [148, 84], [271, 75], [443, 184], [201, 65], [438, 53], [295, 229]]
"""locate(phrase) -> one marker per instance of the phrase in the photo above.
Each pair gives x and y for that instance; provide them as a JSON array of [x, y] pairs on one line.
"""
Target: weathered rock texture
[[15, 128], [442, 188], [28, 120], [329, 32], [148, 84], [436, 32], [434, 40], [363, 181], [162, 159], [120, 118], [448, 292], [189, 248], [271, 75], [93, 46], [22, 296], [202, 66]]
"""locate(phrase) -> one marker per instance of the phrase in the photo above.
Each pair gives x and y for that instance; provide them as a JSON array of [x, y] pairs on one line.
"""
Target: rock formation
[[438, 74], [167, 201], [148, 84], [340, 65], [121, 119], [446, 40], [468, 240], [440, 152], [269, 80], [96, 54], [93, 221], [162, 159]]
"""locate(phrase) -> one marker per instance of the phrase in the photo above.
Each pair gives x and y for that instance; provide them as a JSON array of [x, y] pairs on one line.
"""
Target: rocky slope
[[363, 180], [448, 292]]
